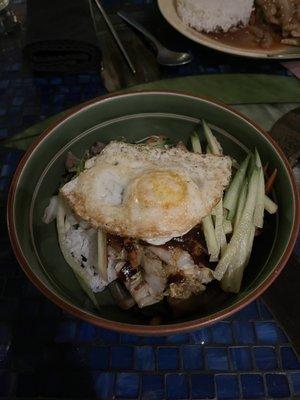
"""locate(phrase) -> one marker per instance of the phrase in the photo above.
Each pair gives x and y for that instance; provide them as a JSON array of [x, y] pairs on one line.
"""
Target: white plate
[[168, 10]]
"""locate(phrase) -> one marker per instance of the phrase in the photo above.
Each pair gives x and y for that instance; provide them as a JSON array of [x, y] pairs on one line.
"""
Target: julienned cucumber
[[258, 218], [270, 206], [213, 144], [232, 279], [233, 192], [207, 222], [102, 254], [196, 145], [236, 252], [241, 203], [219, 227], [210, 237]]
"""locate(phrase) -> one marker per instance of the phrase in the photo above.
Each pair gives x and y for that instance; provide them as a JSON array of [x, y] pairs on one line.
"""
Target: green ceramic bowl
[[135, 116]]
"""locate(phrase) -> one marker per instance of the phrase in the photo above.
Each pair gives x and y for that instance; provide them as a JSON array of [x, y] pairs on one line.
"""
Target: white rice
[[82, 244], [213, 15]]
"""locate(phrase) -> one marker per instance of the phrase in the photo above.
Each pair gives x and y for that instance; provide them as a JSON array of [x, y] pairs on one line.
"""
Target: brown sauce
[[126, 272], [200, 304], [258, 35], [194, 243], [116, 242], [246, 39], [176, 278]]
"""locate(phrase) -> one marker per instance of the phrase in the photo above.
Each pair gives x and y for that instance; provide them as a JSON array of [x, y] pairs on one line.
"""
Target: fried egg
[[147, 192]]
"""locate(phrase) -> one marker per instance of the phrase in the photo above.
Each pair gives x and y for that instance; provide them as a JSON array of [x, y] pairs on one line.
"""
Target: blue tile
[[18, 101], [15, 111], [29, 119], [106, 336], [227, 387], [3, 133], [289, 358], [28, 385], [277, 385], [98, 357], [66, 331], [127, 385], [153, 387], [86, 332], [5, 333], [58, 99], [64, 89], [29, 309], [221, 333], [61, 384], [6, 380], [168, 358], [216, 358], [144, 358], [203, 386], [241, 358], [104, 385], [243, 332], [192, 357], [17, 67], [70, 80], [26, 358], [84, 78], [126, 338], [4, 83], [50, 310], [252, 386], [177, 387], [295, 378], [75, 89], [282, 336], [250, 312], [121, 357], [4, 355], [265, 358], [266, 332], [8, 309], [56, 80], [264, 311], [179, 338], [203, 336], [159, 340]]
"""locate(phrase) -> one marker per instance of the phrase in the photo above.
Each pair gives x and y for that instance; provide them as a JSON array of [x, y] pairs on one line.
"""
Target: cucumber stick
[[102, 254], [210, 237], [232, 279], [213, 144], [233, 192], [258, 218], [270, 206], [241, 203], [235, 253], [219, 228], [196, 145], [227, 226], [207, 222]]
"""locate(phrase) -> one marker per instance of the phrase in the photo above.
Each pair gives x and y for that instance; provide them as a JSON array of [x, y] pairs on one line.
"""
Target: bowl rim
[[136, 328]]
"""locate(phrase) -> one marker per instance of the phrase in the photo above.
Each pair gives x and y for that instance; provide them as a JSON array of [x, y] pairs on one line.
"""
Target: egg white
[[149, 193]]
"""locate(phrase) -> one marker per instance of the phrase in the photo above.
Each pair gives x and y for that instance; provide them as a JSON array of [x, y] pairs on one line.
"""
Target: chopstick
[[115, 35]]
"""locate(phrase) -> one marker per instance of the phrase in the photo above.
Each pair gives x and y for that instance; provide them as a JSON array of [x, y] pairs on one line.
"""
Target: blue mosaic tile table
[[46, 353]]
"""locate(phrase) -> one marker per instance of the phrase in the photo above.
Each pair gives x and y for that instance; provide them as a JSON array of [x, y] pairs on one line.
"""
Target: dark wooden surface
[[283, 297]]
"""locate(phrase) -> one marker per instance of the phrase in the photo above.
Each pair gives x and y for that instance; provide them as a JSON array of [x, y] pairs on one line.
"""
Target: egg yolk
[[160, 189]]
